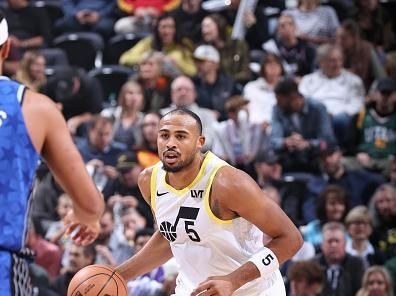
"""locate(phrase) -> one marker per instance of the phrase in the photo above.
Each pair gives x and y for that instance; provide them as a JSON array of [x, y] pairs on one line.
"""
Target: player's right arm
[[157, 250], [50, 136]]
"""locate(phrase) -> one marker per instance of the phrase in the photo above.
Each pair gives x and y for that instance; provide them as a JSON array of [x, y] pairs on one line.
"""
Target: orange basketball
[[97, 280]]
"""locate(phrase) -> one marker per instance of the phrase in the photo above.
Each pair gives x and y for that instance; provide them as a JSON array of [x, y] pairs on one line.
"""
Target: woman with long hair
[[376, 282], [166, 39], [31, 71]]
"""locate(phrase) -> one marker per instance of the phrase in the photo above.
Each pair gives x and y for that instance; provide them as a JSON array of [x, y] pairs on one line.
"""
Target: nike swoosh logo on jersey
[[162, 193]]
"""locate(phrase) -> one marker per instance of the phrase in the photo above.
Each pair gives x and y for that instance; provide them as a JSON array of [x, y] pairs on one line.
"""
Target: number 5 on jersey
[[189, 215]]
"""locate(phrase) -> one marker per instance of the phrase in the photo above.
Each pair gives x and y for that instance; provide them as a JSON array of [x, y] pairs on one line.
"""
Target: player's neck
[[182, 179]]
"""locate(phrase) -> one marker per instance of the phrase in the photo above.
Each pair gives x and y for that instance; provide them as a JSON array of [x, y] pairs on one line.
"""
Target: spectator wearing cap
[[300, 129], [184, 95], [236, 140], [376, 127], [360, 184], [359, 224], [214, 87], [268, 169]]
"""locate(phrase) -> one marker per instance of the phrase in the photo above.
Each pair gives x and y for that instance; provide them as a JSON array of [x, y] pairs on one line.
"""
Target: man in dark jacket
[[343, 272]]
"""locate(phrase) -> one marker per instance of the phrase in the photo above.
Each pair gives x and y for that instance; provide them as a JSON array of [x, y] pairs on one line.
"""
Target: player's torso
[[201, 243], [18, 161]]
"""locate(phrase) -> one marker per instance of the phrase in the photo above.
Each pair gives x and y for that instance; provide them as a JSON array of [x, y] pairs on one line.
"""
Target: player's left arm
[[239, 195]]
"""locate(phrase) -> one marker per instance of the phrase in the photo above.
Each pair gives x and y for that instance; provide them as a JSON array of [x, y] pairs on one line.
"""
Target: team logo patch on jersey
[[189, 215], [161, 193]]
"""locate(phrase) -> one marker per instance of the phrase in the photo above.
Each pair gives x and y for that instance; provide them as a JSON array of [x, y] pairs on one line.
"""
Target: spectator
[[343, 272], [98, 144], [151, 282], [297, 55], [29, 29], [45, 194], [147, 152], [376, 127], [341, 91], [56, 230], [214, 86], [184, 95], [189, 16], [390, 65], [392, 173], [142, 14], [359, 224], [260, 92], [376, 281], [360, 56], [268, 169], [166, 39], [360, 184], [234, 54], [300, 128], [87, 15], [315, 23], [78, 96], [127, 115], [31, 71], [331, 206], [305, 278], [236, 140], [154, 81], [46, 254], [79, 257], [123, 191], [383, 205], [375, 24]]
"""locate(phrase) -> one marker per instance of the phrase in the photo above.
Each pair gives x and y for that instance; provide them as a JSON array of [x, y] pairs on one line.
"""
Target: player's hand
[[215, 286], [81, 233]]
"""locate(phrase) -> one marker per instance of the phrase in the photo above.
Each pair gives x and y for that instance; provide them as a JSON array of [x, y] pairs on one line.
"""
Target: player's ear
[[200, 142], [5, 49]]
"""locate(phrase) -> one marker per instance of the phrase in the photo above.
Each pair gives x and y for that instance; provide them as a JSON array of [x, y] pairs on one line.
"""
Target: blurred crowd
[[299, 94]]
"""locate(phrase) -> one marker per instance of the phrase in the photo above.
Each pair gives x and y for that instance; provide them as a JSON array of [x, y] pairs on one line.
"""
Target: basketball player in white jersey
[[212, 218]]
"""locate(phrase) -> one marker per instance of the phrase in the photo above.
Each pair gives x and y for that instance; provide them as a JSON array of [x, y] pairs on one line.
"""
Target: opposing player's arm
[[157, 250], [238, 195], [52, 139]]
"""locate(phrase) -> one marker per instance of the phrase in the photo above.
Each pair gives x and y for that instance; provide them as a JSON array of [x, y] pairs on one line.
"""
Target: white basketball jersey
[[202, 244]]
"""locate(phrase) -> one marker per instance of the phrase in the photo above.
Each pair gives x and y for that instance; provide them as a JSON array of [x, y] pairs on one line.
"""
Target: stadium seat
[[111, 78], [119, 44], [83, 49], [52, 7], [54, 56]]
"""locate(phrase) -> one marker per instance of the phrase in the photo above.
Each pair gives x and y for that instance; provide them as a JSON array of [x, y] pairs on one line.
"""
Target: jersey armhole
[[21, 94], [206, 201], [153, 185]]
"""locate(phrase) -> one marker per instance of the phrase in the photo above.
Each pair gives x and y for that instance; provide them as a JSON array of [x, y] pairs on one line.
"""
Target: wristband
[[265, 261]]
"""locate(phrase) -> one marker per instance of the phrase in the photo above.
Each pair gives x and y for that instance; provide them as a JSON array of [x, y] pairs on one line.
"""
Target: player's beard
[[180, 166]]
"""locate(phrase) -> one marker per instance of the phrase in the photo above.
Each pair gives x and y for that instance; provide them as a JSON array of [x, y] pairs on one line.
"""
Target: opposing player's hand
[[215, 286], [81, 233]]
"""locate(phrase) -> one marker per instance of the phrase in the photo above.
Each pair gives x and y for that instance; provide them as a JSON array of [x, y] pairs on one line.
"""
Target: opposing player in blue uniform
[[31, 125]]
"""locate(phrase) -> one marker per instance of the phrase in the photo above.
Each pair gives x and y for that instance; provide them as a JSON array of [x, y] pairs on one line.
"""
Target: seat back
[[111, 78], [83, 49], [119, 44]]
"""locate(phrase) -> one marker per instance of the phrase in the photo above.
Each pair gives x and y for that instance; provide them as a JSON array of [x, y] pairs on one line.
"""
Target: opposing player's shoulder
[[144, 180]]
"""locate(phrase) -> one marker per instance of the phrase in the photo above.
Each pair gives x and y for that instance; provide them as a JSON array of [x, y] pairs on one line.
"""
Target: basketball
[[97, 280]]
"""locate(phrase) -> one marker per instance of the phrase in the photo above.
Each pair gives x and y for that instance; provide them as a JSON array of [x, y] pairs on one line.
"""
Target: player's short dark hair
[[286, 87], [185, 111]]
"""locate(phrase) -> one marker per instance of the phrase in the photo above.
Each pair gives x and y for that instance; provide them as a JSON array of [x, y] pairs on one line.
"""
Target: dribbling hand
[[81, 233], [215, 286]]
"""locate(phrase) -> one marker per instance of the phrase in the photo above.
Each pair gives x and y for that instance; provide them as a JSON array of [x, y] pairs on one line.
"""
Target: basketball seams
[[106, 271]]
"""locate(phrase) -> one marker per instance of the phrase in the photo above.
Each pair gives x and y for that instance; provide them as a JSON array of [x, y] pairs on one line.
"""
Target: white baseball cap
[[207, 53], [3, 31]]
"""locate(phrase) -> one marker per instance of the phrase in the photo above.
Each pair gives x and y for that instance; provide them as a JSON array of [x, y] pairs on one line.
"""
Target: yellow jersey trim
[[153, 183], [207, 194], [199, 176]]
